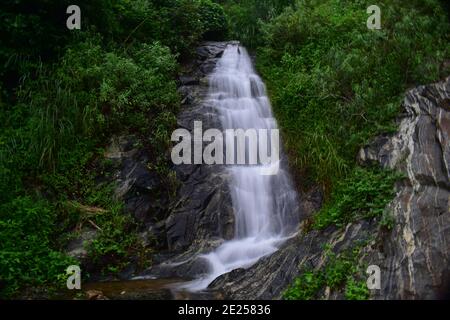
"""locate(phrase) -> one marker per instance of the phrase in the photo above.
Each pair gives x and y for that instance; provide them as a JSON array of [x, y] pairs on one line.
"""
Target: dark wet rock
[[211, 50], [188, 80], [271, 275], [373, 153], [187, 97], [201, 217], [203, 209], [137, 185], [311, 201], [209, 66]]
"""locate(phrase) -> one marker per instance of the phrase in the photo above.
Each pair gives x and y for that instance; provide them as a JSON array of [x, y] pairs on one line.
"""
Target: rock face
[[417, 251], [78, 248], [203, 210], [270, 276], [137, 185]]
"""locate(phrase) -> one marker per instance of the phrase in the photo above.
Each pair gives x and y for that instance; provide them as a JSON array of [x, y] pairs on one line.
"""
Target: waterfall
[[264, 205]]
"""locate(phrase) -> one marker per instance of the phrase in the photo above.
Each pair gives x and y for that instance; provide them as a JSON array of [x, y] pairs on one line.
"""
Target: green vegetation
[[339, 273], [335, 84], [27, 251], [364, 193], [246, 18], [63, 117], [116, 241], [63, 95]]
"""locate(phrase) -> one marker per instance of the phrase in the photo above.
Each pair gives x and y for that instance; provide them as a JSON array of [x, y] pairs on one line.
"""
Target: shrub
[[215, 23], [51, 138], [363, 194], [340, 273], [28, 230], [247, 17]]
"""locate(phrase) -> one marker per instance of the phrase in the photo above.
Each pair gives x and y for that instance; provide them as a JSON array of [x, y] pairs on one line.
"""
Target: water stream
[[264, 205]]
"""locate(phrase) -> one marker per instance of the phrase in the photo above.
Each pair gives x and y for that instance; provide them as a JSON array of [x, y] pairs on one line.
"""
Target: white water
[[265, 206]]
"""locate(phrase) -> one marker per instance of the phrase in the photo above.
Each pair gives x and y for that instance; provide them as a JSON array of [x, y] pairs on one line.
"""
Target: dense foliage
[[36, 32], [27, 253], [247, 17], [364, 193], [335, 83], [64, 94]]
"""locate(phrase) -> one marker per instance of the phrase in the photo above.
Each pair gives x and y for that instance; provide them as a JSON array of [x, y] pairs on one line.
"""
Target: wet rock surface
[[78, 247], [135, 184], [203, 210], [270, 276]]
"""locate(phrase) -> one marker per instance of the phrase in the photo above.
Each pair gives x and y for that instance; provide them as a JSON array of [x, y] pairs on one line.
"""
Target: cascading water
[[264, 205]]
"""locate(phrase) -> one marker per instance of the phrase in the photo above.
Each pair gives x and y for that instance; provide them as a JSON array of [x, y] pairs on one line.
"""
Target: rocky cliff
[[415, 255]]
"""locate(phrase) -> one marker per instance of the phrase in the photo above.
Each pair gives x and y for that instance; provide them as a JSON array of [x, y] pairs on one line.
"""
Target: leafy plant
[[28, 229], [387, 220], [339, 273], [363, 194]]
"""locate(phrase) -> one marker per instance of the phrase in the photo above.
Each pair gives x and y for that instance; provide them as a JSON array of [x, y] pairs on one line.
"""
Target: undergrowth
[[363, 194], [340, 273]]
